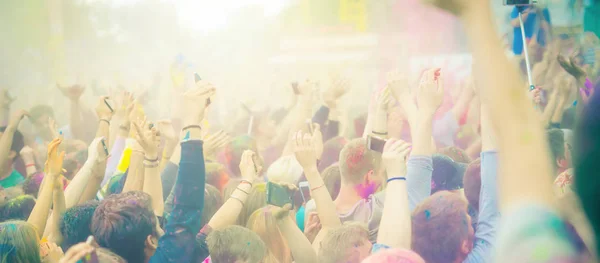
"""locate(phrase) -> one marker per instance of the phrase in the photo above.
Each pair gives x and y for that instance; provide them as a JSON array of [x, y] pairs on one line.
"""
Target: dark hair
[[75, 223], [212, 202], [439, 226], [18, 208], [18, 142], [585, 156], [122, 222], [556, 141], [472, 183], [456, 154], [447, 174], [37, 111]]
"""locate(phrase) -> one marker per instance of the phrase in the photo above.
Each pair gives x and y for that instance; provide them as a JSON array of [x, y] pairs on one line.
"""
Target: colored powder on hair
[[353, 161]]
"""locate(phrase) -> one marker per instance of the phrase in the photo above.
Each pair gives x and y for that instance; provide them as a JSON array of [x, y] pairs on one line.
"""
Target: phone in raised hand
[[375, 143], [278, 195], [304, 188]]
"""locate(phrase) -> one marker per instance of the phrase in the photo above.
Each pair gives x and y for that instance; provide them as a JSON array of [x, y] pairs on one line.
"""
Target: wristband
[[191, 127], [379, 133], [241, 202], [107, 121], [401, 178], [30, 165], [316, 188], [245, 182], [242, 191]]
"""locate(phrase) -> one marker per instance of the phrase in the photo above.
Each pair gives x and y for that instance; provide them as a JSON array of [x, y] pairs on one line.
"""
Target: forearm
[[549, 109], [39, 214], [299, 245], [53, 230], [104, 129], [116, 152], [228, 213], [6, 142], [380, 124], [135, 179], [395, 227], [77, 186], [92, 187], [321, 115], [153, 186], [422, 135], [325, 206], [167, 153], [559, 111], [75, 121]]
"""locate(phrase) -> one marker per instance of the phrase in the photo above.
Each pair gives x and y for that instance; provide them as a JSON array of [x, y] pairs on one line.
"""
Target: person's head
[[126, 224], [560, 149], [19, 242], [31, 185], [285, 170], [347, 243], [235, 244], [39, 115], [216, 175], [447, 174], [456, 154], [75, 223], [331, 152], [472, 183], [445, 211], [394, 255], [233, 152], [257, 198], [18, 142], [332, 179], [18, 208], [212, 202], [357, 164], [263, 223]]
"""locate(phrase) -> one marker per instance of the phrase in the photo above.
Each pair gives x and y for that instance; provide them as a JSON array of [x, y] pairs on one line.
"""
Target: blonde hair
[[263, 223], [19, 242], [257, 198], [234, 243], [337, 245], [285, 170]]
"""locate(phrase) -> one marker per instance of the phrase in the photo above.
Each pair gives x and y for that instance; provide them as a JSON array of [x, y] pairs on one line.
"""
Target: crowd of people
[[505, 174]]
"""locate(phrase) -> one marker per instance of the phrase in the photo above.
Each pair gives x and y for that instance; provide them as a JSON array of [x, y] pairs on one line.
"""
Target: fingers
[[388, 145], [316, 128], [77, 252]]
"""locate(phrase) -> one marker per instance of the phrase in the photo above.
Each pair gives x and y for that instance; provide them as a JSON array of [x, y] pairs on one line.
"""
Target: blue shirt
[[531, 26]]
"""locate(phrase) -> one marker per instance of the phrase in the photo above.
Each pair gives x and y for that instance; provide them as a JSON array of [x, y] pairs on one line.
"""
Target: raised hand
[[103, 108], [313, 226], [397, 82], [214, 142], [165, 127], [536, 95], [395, 154], [431, 91], [77, 252], [54, 162], [5, 99], [570, 66], [385, 100], [73, 93], [304, 150], [50, 252], [249, 167], [148, 138], [16, 118], [195, 102], [317, 140], [336, 90]]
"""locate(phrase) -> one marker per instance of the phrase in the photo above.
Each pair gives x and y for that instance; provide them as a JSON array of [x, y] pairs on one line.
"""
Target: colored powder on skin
[[187, 136], [365, 190], [427, 215]]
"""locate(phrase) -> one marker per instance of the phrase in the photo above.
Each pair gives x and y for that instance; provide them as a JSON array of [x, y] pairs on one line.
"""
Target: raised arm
[[77, 186], [73, 94], [299, 245], [58, 209], [53, 170], [149, 140], [7, 136], [395, 226]]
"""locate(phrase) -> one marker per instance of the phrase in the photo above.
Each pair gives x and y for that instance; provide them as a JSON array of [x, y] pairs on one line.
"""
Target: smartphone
[[295, 88], [104, 146], [309, 126], [108, 103], [375, 143], [520, 2], [304, 188], [278, 195]]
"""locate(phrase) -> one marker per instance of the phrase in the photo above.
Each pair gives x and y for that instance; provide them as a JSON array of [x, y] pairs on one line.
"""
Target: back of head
[[31, 185], [439, 227], [343, 243], [40, 110], [212, 202], [456, 154], [19, 242], [394, 255], [356, 161], [263, 223], [447, 174], [332, 179], [285, 170], [18, 208], [257, 199], [122, 222], [472, 183], [586, 156], [216, 175], [331, 152], [233, 152], [18, 142], [235, 244], [75, 223]]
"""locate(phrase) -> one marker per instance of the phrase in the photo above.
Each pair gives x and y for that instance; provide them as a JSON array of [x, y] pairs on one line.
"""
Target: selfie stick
[[250, 125], [531, 86]]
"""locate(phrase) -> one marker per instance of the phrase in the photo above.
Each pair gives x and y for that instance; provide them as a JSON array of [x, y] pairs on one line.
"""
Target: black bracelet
[[379, 133], [396, 178], [242, 190], [191, 127], [107, 121]]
